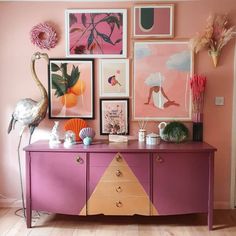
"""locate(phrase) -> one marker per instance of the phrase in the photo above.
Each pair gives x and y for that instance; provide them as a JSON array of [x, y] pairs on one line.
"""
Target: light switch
[[219, 101]]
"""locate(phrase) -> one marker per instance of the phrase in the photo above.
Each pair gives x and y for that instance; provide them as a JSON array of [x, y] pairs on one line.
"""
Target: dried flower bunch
[[198, 85], [216, 35]]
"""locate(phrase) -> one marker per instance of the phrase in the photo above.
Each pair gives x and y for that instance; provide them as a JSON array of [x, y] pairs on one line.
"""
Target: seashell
[[75, 125], [86, 132]]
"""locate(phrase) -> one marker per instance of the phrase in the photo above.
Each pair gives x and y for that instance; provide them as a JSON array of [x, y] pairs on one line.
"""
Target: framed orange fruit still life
[[71, 88]]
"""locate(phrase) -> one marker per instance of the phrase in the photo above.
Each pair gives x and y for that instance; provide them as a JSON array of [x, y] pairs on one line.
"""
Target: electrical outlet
[[219, 101]]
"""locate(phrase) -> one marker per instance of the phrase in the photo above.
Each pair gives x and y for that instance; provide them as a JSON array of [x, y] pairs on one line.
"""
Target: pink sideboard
[[120, 179]]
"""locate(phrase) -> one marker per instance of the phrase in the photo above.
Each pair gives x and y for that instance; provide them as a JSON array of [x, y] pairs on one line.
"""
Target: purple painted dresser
[[120, 179]]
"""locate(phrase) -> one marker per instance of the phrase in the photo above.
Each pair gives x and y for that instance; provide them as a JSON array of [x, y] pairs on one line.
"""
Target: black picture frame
[[71, 88], [114, 116]]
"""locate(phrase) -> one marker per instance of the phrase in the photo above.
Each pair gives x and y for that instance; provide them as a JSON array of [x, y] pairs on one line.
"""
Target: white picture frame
[[114, 77], [92, 33]]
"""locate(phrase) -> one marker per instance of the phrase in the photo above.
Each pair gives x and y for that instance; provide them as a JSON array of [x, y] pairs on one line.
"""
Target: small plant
[[175, 131]]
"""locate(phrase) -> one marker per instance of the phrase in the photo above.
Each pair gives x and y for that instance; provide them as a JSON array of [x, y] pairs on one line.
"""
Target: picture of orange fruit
[[69, 100], [78, 88]]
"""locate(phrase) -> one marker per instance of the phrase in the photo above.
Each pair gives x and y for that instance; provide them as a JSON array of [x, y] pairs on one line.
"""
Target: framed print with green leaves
[[71, 88], [96, 33]]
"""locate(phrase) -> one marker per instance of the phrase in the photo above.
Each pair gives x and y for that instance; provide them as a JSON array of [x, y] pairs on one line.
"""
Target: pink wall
[[16, 21]]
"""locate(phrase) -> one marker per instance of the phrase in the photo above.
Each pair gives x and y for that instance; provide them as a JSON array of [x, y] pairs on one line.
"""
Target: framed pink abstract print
[[154, 21], [114, 77], [96, 33], [114, 116], [71, 88], [161, 80]]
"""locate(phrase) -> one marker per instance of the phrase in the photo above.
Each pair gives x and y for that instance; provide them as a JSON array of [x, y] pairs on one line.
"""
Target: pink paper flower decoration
[[43, 36]]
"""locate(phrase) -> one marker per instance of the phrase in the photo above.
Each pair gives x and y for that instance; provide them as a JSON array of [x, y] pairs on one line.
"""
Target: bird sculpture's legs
[[19, 163], [32, 128]]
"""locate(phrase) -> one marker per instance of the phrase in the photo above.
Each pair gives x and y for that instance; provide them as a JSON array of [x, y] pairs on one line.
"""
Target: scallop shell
[[86, 132], [75, 125]]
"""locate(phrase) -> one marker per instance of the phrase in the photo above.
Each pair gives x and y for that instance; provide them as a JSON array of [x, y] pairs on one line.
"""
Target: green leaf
[[55, 67], [105, 38], [75, 74], [112, 19], [59, 84], [90, 39], [118, 40], [72, 20], [64, 70], [75, 29], [84, 19]]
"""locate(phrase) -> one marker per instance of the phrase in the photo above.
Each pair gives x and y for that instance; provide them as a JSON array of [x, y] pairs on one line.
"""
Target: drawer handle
[[159, 159], [119, 204], [79, 160], [119, 158], [118, 173], [118, 189]]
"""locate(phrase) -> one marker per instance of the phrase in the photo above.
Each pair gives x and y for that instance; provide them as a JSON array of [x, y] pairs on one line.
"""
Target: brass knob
[[79, 160], [118, 189], [159, 159], [118, 173], [118, 158], [119, 204]]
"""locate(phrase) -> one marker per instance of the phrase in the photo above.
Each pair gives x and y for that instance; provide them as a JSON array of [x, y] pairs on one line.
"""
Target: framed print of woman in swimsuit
[[161, 80]]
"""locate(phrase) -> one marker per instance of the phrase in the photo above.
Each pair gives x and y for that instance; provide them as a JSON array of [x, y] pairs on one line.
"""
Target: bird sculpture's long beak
[[45, 56]]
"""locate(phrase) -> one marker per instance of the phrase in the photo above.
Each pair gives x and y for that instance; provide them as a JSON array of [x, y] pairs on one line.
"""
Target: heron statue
[[30, 113]]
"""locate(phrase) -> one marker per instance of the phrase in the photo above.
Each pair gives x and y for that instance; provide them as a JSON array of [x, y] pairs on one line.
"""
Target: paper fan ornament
[[44, 36]]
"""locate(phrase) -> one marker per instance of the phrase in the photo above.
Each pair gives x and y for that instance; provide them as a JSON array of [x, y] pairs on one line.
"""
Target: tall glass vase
[[198, 127]]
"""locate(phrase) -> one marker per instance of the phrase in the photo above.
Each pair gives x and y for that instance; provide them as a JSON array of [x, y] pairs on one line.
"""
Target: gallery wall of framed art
[[133, 55]]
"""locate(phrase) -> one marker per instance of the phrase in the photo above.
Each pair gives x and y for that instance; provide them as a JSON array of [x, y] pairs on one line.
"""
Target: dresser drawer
[[122, 173], [119, 206], [119, 159], [120, 189]]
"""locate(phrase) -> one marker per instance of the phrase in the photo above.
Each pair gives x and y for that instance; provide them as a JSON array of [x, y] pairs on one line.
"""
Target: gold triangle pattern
[[119, 192]]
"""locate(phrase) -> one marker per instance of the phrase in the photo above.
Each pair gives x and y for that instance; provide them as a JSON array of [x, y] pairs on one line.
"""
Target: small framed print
[[114, 116], [154, 21], [114, 77], [96, 33], [71, 88]]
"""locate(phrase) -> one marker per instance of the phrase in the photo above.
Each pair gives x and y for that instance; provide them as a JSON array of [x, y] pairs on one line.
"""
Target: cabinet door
[[58, 182], [180, 183]]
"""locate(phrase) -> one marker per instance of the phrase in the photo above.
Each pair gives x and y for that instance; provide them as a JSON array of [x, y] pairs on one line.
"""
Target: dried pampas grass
[[215, 36]]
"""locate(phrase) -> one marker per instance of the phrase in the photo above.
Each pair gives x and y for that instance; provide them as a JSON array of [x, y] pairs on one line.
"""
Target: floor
[[61, 225]]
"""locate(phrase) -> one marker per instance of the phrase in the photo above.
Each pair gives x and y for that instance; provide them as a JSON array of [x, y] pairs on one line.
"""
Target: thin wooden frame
[[153, 21], [71, 88], [161, 80], [114, 116], [114, 77], [96, 33]]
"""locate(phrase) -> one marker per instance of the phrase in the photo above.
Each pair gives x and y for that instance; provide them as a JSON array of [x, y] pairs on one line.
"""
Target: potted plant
[[175, 131]]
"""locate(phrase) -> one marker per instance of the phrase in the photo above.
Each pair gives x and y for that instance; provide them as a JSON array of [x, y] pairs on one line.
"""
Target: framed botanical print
[[114, 116], [96, 33], [114, 77], [154, 21], [71, 88], [161, 80]]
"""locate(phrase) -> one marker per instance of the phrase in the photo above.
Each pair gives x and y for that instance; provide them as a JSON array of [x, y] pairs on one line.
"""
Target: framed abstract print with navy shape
[[154, 21]]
